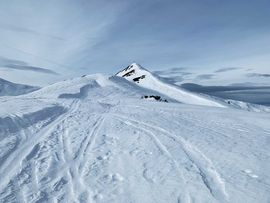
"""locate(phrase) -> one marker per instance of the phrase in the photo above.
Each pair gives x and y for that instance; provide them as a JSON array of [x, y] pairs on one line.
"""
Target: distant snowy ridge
[[247, 106], [12, 89], [144, 78]]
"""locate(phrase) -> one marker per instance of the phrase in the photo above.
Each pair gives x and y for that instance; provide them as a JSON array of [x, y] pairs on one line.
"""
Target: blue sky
[[72, 38]]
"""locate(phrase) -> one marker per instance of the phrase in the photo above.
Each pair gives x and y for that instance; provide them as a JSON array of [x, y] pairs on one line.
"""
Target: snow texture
[[93, 139]]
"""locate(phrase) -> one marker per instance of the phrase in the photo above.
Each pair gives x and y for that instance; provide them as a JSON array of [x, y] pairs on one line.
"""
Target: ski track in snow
[[27, 152], [159, 144], [209, 175]]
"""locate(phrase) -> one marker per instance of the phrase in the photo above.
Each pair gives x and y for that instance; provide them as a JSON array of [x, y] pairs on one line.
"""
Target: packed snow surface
[[93, 139]]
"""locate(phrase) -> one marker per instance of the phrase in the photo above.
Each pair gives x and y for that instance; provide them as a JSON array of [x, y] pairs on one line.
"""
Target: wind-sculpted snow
[[83, 92], [103, 143], [15, 123]]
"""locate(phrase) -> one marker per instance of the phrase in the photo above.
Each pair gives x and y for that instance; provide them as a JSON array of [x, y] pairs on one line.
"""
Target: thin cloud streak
[[21, 65], [264, 75], [221, 70], [205, 77], [31, 68], [16, 29]]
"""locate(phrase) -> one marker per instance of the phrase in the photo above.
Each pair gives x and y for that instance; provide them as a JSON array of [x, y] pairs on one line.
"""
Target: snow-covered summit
[[136, 73], [132, 71]]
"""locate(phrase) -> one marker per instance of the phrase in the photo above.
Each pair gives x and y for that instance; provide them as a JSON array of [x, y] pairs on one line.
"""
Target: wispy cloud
[[226, 69], [173, 71], [264, 75], [19, 29], [21, 65], [31, 68], [4, 61], [249, 69], [205, 76]]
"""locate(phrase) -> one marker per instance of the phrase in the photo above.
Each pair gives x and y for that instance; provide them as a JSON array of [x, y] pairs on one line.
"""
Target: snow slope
[[12, 89], [93, 139], [144, 78]]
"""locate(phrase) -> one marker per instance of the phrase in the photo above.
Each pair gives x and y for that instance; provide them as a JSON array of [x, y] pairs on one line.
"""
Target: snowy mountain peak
[[133, 72], [136, 66], [144, 78]]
